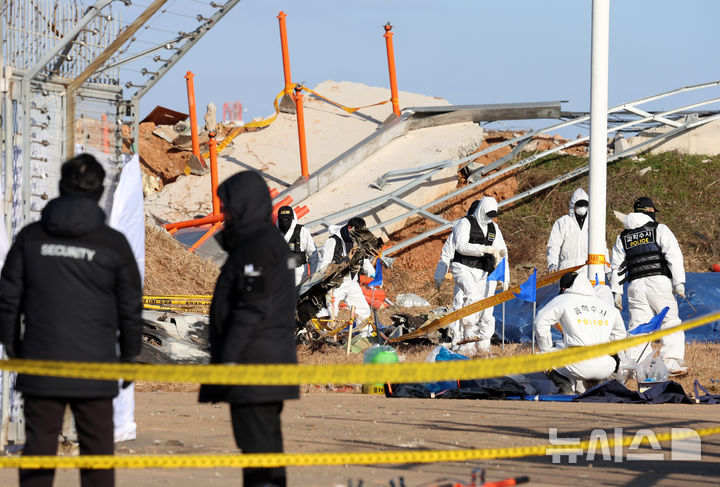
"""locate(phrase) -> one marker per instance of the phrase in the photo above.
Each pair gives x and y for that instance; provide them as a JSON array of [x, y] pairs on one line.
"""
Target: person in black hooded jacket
[[252, 319], [76, 283]]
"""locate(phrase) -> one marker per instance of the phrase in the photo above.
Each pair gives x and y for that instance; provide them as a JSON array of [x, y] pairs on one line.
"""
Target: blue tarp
[[702, 291]]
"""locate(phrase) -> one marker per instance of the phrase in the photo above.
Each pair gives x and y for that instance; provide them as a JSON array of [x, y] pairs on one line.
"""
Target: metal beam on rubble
[[412, 119], [585, 117], [449, 114], [570, 175], [366, 207], [180, 51]]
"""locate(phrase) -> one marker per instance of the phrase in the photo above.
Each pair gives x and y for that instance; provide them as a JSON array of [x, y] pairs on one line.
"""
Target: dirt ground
[[173, 422]]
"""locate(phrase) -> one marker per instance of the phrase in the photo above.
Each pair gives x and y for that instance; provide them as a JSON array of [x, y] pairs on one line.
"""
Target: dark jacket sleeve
[[128, 294], [11, 294]]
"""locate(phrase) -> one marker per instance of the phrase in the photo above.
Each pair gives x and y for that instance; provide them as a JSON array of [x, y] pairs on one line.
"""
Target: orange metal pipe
[[193, 118], [206, 236], [274, 192], [285, 53], [105, 135], [301, 211], [301, 131], [194, 223], [283, 202], [214, 174], [391, 68]]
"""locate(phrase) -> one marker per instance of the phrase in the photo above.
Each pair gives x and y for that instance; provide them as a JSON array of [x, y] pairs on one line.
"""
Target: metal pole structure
[[301, 131], [285, 53], [25, 95], [135, 102], [8, 148], [287, 103], [105, 133], [391, 68], [193, 116], [503, 326], [598, 137], [95, 65], [214, 174], [533, 326]]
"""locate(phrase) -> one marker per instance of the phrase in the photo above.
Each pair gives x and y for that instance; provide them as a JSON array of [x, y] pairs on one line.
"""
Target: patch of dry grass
[[170, 269]]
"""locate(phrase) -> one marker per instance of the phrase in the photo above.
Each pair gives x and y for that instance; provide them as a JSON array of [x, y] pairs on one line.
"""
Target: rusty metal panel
[[164, 116]]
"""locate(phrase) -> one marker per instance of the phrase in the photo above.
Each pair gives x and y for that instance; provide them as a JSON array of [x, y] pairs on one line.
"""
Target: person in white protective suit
[[649, 258], [586, 319], [443, 266], [568, 242], [336, 248], [300, 242], [479, 247]]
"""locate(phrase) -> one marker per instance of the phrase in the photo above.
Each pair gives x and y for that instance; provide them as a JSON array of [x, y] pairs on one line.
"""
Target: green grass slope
[[685, 189]]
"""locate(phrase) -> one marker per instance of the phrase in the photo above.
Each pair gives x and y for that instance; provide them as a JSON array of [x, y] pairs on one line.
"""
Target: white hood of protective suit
[[581, 286], [604, 292], [578, 195], [636, 220], [486, 204]]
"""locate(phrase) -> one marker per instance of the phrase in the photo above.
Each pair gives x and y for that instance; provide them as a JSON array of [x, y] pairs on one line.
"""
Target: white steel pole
[[598, 137]]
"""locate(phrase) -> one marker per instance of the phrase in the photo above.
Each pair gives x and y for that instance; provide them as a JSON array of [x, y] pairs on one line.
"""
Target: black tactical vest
[[339, 252], [643, 255], [295, 247], [485, 262]]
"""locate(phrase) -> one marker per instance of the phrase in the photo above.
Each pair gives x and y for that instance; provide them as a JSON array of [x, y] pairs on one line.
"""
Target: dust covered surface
[[175, 423]]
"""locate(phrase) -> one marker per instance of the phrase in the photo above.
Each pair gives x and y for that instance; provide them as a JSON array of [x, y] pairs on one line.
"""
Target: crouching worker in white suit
[[336, 249], [479, 247], [585, 319]]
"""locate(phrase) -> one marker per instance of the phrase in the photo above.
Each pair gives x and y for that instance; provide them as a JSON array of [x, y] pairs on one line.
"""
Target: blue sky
[[465, 51]]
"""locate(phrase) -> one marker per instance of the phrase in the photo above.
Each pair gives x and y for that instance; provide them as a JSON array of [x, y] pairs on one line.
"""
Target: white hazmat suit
[[649, 291], [349, 291], [443, 266], [471, 279], [586, 319], [568, 242], [302, 245]]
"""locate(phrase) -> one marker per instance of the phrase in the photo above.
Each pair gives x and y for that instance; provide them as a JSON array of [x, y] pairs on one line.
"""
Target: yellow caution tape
[[291, 374], [187, 309], [269, 460], [200, 303], [340, 105], [179, 296], [481, 305]]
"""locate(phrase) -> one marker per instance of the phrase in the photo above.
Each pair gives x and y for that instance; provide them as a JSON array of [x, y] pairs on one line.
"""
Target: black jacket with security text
[[252, 317], [76, 282]]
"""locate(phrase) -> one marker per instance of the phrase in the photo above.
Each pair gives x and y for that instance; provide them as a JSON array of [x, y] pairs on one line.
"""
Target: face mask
[[284, 224], [651, 214], [581, 210], [491, 214]]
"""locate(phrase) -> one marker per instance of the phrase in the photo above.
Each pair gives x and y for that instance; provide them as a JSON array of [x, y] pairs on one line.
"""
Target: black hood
[[71, 216], [247, 206]]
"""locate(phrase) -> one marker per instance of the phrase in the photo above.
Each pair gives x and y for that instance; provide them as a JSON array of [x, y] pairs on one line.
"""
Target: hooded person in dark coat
[[76, 283], [252, 319]]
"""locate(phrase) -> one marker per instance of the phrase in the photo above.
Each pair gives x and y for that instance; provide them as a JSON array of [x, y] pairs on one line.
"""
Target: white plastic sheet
[[128, 216]]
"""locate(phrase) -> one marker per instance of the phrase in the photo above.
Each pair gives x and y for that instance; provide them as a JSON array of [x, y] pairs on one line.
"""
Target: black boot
[[562, 382]]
